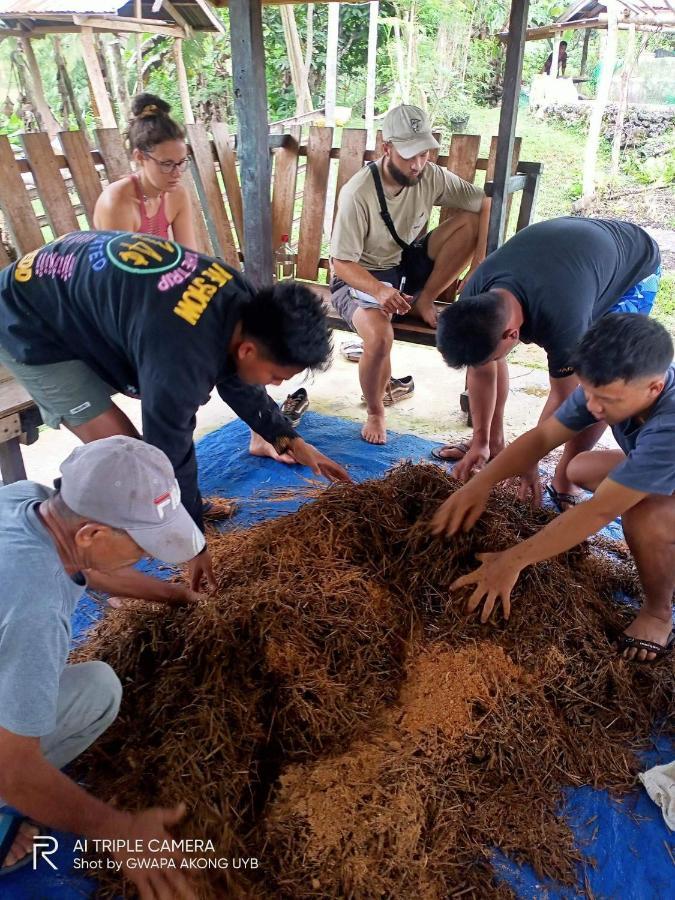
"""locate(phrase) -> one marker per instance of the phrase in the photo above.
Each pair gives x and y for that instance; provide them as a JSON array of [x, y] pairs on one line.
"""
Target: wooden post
[[584, 52], [627, 71], [116, 66], [67, 84], [188, 115], [250, 97], [138, 14], [331, 61], [309, 42], [370, 72], [303, 98], [595, 125], [47, 120], [96, 80], [555, 54], [507, 122]]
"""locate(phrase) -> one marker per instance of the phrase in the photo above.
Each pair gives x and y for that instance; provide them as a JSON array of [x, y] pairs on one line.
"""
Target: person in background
[[624, 365], [383, 265], [153, 200], [562, 61], [116, 501]]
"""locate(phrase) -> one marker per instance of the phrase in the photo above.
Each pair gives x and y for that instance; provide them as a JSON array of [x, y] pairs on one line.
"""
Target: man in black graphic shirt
[[95, 313]]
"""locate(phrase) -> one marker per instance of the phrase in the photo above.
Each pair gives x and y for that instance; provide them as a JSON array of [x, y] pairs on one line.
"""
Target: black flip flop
[[559, 497], [462, 446], [626, 642]]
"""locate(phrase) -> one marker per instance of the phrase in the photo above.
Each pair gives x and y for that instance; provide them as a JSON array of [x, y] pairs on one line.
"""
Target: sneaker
[[352, 350], [295, 405], [397, 389]]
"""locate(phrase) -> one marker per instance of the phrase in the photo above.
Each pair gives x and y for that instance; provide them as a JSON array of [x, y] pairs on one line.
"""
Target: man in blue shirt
[[118, 500], [627, 379]]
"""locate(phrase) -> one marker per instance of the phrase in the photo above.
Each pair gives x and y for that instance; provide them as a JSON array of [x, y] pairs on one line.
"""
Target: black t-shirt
[[152, 319], [566, 273]]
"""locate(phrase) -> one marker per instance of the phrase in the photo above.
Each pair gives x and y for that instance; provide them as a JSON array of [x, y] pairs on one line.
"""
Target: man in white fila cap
[[117, 501], [381, 266]]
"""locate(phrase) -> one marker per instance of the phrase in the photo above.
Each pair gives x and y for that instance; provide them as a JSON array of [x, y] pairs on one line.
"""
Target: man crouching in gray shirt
[[118, 500]]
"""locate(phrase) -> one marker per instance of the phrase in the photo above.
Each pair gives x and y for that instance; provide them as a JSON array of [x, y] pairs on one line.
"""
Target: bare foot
[[260, 447], [648, 627], [375, 429], [427, 311], [22, 846]]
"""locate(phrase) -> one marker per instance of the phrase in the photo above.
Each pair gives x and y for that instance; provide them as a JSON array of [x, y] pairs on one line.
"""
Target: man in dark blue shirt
[[546, 286], [627, 379]]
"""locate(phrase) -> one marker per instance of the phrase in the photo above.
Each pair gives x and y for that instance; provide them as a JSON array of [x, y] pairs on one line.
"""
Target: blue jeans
[[640, 298]]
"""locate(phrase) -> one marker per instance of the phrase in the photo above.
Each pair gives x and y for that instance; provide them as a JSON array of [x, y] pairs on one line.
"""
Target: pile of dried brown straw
[[334, 712]]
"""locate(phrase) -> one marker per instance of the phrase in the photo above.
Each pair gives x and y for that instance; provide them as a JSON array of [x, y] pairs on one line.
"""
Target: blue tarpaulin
[[628, 850]]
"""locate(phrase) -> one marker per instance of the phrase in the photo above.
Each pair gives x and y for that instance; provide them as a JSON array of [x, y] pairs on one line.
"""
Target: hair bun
[[145, 105]]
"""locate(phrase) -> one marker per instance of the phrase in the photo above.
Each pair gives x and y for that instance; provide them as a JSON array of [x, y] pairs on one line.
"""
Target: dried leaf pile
[[335, 713]]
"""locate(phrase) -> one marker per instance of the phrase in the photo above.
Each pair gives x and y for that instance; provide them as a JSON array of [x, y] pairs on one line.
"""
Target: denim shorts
[[640, 298]]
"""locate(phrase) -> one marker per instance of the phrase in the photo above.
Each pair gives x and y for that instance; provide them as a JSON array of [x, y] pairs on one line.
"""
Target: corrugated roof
[[55, 7], [32, 13]]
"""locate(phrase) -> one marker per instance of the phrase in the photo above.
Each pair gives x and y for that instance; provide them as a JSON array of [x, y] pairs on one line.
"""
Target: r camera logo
[[44, 846]]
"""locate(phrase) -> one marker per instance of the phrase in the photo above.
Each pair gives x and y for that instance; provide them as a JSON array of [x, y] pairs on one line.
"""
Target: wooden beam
[[96, 80], [214, 208], [188, 114], [15, 203], [508, 116], [50, 185], [331, 62], [114, 153], [228, 168], [49, 123], [250, 98], [133, 26], [81, 164], [374, 12]]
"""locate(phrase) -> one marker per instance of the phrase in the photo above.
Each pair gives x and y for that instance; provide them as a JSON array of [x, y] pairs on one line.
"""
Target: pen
[[402, 285]]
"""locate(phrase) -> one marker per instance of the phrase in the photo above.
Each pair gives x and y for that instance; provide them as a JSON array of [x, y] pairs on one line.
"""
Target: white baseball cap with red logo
[[127, 484]]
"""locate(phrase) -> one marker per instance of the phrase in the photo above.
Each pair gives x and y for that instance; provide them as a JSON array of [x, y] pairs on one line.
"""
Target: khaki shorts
[[65, 392]]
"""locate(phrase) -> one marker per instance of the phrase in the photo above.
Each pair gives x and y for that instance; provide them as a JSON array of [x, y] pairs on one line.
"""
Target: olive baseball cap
[[409, 130], [130, 485]]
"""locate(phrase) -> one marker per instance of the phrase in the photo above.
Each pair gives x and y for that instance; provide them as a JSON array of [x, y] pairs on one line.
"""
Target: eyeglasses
[[168, 166]]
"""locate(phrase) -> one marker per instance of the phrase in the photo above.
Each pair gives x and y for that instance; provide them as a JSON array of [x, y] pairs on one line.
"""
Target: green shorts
[[65, 392]]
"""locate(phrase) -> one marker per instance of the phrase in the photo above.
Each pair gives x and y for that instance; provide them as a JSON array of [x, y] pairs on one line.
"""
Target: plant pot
[[458, 124]]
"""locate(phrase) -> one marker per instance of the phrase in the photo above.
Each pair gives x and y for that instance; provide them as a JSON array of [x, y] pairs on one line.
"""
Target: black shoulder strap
[[384, 210]]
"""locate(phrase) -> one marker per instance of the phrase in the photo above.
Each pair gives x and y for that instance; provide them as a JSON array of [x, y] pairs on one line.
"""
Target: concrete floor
[[433, 411]]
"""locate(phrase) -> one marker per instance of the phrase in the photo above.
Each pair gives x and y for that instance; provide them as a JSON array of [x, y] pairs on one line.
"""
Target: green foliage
[[664, 304]]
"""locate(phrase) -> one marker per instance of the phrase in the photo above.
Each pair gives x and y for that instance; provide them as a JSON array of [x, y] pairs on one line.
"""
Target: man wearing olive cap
[[381, 266], [117, 501]]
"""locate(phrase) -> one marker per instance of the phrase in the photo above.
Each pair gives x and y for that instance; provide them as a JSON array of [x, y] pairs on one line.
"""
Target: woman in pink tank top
[[152, 200]]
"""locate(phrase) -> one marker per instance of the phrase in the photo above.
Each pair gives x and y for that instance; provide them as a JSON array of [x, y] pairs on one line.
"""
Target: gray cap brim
[[173, 542], [420, 144]]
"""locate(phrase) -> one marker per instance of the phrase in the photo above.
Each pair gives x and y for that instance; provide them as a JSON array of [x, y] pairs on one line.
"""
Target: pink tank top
[[158, 225]]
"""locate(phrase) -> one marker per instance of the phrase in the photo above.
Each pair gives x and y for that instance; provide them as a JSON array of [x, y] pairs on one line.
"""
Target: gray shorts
[[65, 392], [346, 303]]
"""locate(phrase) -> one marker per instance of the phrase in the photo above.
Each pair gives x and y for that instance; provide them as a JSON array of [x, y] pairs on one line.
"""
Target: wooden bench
[[308, 175], [19, 423]]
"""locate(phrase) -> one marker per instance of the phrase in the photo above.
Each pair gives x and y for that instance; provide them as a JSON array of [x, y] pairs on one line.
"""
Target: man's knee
[[579, 470], [378, 342], [651, 521], [103, 692]]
